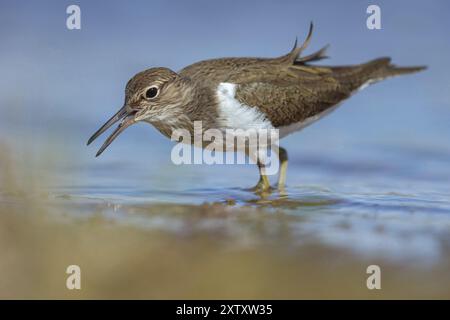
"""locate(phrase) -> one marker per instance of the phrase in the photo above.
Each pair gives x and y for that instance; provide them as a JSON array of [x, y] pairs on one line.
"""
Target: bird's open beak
[[126, 118]]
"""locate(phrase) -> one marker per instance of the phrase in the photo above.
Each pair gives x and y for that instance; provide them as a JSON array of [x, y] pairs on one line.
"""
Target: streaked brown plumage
[[287, 91]]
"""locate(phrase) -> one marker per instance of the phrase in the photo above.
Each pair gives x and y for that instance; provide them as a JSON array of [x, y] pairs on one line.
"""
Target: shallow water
[[341, 211], [344, 208], [392, 227], [338, 215]]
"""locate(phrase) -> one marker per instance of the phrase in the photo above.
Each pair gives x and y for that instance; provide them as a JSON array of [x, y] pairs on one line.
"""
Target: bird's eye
[[151, 92]]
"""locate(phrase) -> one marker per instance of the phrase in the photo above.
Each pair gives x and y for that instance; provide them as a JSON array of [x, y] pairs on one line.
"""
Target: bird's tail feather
[[355, 76], [294, 56], [359, 76], [382, 68]]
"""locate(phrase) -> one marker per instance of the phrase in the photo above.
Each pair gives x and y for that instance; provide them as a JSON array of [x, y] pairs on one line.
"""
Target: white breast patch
[[235, 115]]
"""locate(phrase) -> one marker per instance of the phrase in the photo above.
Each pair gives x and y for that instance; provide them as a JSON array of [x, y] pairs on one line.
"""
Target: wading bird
[[285, 93]]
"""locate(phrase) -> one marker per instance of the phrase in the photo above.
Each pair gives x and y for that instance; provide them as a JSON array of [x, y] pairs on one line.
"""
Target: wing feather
[[287, 104]]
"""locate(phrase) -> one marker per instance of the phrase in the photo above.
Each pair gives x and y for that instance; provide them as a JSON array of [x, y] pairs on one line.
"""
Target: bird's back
[[288, 90], [218, 70]]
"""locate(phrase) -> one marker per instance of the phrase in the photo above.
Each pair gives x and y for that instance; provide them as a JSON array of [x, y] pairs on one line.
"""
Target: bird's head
[[156, 95]]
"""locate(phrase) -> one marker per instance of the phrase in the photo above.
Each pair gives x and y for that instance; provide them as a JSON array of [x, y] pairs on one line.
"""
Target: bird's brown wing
[[288, 89], [290, 95]]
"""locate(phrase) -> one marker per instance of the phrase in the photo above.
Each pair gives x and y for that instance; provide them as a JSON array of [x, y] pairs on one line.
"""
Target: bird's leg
[[263, 183], [259, 157], [283, 156]]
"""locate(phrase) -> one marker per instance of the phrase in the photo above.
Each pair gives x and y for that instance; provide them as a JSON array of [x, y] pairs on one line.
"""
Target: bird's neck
[[198, 104], [203, 105]]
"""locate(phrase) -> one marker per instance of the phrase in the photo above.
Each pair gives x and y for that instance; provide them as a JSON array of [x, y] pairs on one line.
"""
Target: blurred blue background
[[57, 86]]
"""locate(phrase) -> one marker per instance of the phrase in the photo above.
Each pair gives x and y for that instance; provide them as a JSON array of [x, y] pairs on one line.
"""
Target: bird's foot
[[282, 190], [263, 186]]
